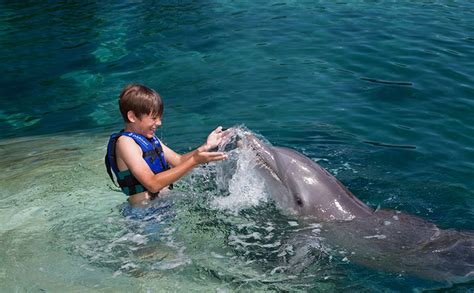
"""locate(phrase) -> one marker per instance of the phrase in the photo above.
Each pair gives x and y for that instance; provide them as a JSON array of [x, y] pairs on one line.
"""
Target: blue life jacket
[[152, 154]]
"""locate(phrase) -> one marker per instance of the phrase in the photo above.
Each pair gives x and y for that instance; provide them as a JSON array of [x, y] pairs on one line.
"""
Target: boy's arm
[[131, 154], [213, 140], [176, 159]]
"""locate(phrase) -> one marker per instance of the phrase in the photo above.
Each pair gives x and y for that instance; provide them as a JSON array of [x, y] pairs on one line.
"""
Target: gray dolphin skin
[[382, 239], [301, 177]]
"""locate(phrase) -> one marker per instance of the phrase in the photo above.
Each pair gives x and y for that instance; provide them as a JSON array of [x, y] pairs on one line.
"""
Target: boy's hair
[[141, 100]]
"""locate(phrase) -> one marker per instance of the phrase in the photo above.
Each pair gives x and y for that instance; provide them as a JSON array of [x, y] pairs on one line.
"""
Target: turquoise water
[[378, 92]]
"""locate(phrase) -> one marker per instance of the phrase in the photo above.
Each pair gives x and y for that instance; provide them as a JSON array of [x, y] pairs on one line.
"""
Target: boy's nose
[[158, 122]]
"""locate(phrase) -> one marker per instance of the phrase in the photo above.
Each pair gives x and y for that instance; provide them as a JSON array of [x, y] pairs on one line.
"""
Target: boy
[[142, 164]]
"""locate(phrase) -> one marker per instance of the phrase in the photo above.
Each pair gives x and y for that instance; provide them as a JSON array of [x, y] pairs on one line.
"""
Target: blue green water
[[381, 93]]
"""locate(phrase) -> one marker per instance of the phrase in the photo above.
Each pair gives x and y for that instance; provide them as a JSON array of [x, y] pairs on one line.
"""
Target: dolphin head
[[302, 186]]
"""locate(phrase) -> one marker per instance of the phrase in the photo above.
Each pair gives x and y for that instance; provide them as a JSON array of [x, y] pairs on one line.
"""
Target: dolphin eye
[[298, 200]]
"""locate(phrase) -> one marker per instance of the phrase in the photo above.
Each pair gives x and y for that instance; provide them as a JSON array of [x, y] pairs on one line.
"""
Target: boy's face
[[148, 124]]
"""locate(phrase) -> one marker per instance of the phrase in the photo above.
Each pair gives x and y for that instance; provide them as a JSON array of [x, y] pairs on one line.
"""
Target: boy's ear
[[131, 116]]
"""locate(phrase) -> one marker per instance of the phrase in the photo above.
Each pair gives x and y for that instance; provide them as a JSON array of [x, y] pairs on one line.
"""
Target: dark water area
[[381, 93]]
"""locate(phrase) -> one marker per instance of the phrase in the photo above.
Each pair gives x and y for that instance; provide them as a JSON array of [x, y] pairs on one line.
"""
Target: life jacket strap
[[109, 171]]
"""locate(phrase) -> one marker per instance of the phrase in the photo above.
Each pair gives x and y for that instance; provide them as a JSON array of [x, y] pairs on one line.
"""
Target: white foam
[[375, 236], [246, 188]]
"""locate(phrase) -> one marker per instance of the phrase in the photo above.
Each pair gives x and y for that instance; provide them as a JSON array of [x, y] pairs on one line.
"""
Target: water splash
[[238, 177]]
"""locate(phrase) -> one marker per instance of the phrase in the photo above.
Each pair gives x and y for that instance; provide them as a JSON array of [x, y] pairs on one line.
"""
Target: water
[[378, 92]]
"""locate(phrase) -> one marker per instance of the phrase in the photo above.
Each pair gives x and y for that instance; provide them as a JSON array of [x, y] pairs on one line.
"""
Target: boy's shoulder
[[126, 145], [131, 138], [123, 139]]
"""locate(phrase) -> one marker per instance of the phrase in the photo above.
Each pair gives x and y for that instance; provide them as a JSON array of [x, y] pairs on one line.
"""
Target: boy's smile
[[149, 124], [146, 125]]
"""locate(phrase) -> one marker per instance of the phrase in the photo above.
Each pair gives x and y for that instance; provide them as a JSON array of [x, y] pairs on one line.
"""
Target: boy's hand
[[206, 157], [215, 138]]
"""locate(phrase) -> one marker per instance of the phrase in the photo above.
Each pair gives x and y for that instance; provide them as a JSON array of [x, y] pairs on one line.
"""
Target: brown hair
[[141, 100]]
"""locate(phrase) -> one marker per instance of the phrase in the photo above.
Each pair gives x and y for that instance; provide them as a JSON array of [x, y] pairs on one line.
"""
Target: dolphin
[[382, 239]]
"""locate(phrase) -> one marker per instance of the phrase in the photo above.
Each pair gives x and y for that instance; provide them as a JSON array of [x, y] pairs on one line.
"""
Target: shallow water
[[379, 93]]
